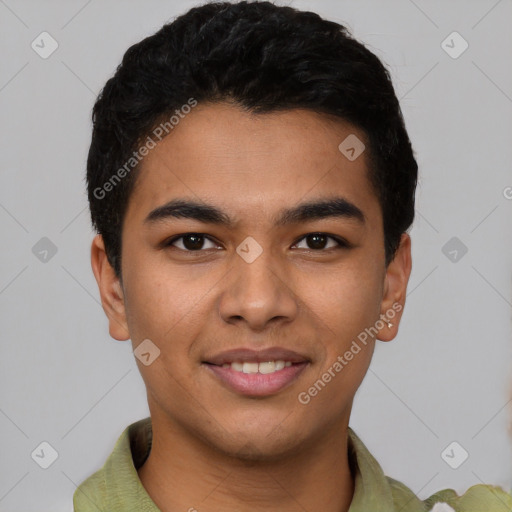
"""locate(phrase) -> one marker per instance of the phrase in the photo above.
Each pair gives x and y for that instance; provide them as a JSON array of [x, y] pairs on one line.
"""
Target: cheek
[[347, 298], [346, 304], [165, 304], [152, 305]]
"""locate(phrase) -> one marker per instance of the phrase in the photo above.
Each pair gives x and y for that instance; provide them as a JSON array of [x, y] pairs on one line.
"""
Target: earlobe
[[395, 290], [111, 291]]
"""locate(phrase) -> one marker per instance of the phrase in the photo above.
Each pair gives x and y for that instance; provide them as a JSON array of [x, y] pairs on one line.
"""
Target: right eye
[[191, 242]]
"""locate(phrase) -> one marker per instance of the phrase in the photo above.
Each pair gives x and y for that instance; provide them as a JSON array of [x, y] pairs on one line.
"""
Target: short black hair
[[263, 58]]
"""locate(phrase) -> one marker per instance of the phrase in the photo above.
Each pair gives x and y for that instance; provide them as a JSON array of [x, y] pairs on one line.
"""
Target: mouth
[[256, 373], [264, 368]]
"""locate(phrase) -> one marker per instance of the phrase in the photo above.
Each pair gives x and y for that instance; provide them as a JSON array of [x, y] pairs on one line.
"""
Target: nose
[[258, 293]]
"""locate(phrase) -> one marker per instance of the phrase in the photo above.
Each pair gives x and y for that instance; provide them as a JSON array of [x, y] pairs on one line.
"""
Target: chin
[[259, 445]]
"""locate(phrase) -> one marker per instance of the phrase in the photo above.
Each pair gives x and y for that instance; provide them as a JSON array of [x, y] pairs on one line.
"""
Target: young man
[[252, 184]]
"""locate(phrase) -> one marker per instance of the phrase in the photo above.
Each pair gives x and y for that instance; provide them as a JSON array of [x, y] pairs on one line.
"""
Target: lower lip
[[257, 384]]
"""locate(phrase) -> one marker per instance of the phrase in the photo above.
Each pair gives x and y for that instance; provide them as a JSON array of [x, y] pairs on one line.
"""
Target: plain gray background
[[445, 378]]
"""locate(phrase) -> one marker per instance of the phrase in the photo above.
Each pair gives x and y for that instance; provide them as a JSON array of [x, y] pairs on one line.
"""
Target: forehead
[[253, 165]]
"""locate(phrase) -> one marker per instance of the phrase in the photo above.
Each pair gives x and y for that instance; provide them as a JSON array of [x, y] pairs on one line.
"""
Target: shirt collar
[[371, 487], [116, 486]]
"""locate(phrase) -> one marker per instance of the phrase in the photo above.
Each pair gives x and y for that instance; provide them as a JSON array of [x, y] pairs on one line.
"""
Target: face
[[249, 275]]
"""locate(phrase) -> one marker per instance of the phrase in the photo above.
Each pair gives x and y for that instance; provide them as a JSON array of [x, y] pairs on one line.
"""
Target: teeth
[[250, 367], [269, 367], [238, 367], [254, 367]]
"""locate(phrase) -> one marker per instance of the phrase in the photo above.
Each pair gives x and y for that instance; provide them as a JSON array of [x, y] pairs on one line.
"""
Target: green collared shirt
[[116, 486]]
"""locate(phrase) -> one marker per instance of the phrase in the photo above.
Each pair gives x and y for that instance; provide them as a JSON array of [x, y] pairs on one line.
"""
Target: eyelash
[[342, 244]]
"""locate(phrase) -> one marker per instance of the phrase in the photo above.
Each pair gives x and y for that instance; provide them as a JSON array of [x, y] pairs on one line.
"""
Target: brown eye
[[192, 242], [319, 241]]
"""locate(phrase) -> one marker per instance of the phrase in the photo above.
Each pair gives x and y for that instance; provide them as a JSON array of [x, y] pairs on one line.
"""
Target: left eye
[[319, 241]]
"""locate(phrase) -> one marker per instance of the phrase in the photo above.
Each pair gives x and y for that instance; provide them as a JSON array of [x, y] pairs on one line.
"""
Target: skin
[[215, 449]]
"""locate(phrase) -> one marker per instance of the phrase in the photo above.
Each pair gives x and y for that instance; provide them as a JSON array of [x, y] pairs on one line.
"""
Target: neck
[[183, 473]]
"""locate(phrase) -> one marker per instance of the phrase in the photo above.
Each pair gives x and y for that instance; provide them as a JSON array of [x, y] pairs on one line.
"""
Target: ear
[[395, 288], [111, 291]]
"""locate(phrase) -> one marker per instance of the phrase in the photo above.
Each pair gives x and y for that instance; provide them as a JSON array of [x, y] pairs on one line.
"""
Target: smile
[[255, 367], [256, 379]]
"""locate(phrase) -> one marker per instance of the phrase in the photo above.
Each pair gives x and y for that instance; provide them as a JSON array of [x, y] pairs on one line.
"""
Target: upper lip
[[260, 356]]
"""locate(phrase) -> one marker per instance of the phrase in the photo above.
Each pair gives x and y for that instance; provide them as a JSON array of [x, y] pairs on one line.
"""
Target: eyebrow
[[337, 207]]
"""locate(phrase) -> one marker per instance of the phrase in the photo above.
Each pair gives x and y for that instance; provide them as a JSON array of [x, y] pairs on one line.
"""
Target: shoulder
[[478, 498], [90, 492]]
